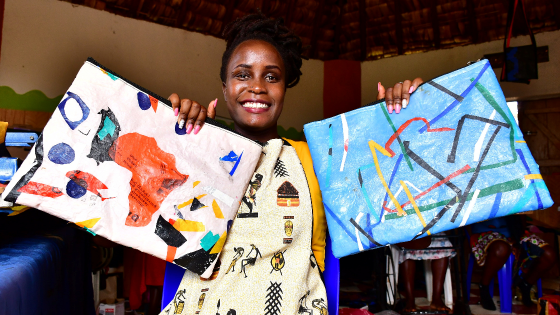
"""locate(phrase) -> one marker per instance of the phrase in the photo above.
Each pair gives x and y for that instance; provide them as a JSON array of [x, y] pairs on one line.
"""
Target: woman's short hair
[[259, 27]]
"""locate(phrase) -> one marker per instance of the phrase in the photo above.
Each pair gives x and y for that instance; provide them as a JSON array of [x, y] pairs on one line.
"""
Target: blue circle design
[[61, 153], [180, 131], [74, 190], [144, 101]]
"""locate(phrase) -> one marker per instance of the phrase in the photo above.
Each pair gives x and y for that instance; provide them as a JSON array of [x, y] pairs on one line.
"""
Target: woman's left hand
[[398, 97]]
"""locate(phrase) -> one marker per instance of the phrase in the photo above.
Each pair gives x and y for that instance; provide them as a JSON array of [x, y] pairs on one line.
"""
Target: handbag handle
[[509, 29]]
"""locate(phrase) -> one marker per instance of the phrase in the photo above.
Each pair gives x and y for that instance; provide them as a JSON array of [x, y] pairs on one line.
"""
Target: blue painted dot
[[180, 131], [61, 153], [74, 190], [144, 101], [229, 224]]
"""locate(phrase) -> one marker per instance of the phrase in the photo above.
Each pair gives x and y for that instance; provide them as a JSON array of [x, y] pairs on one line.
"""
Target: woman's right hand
[[190, 113]]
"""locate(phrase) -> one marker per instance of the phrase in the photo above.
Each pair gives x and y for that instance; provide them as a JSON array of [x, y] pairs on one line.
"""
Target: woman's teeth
[[254, 105]]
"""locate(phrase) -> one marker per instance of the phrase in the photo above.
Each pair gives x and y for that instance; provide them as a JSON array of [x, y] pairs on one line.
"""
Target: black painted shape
[[428, 168], [168, 233], [280, 169], [459, 98], [451, 157], [196, 204], [273, 299], [39, 154], [360, 178], [475, 174], [100, 148], [355, 224], [197, 261], [438, 216]]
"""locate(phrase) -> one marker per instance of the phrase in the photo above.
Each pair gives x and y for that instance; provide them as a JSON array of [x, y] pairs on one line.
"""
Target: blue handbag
[[454, 157]]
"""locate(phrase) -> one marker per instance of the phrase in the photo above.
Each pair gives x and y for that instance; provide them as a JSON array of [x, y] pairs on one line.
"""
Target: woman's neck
[[258, 135]]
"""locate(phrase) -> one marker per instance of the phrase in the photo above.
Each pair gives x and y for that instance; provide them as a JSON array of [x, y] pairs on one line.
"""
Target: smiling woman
[[280, 229]]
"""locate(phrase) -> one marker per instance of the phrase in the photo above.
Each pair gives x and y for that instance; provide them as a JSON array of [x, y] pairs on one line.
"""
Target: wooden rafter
[[556, 8], [316, 27], [338, 29], [435, 23], [292, 4], [182, 13], [473, 27], [398, 26], [363, 30], [230, 6]]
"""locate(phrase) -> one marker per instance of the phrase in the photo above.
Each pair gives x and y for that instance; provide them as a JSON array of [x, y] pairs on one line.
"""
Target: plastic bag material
[[454, 157], [113, 160]]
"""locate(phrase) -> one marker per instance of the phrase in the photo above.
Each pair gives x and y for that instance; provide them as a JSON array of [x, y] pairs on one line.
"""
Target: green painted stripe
[[33, 100], [490, 99], [488, 191], [395, 131]]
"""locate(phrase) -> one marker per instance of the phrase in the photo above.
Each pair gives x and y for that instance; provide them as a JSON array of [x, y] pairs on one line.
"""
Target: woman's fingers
[[397, 97], [175, 103], [380, 91], [192, 115], [415, 83], [212, 108], [405, 93]]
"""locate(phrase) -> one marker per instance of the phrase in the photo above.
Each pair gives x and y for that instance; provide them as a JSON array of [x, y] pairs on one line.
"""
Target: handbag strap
[[511, 17], [509, 29]]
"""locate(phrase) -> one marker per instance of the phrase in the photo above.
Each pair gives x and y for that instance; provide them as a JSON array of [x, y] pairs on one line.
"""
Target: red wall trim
[[342, 87]]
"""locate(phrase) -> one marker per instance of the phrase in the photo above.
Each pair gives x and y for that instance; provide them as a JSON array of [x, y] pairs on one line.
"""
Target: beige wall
[[433, 64], [45, 42]]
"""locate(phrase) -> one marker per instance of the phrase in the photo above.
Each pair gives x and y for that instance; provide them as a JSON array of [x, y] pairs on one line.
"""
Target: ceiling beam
[[338, 29], [398, 26], [316, 27], [292, 4], [265, 7], [230, 7], [363, 30], [435, 23], [556, 8], [473, 23], [182, 13]]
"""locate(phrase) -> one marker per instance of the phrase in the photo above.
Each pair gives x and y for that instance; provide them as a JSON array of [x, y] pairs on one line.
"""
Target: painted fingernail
[[189, 128], [176, 111], [215, 102], [196, 129], [378, 86], [404, 103], [181, 124], [411, 89], [398, 108], [390, 108]]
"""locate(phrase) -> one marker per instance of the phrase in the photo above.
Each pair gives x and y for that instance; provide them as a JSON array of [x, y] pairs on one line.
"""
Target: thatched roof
[[350, 29]]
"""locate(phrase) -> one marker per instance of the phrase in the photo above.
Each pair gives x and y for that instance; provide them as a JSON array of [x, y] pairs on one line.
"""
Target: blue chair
[[505, 276], [174, 274]]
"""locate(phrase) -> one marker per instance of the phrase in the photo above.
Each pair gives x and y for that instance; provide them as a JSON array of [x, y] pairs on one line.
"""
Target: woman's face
[[255, 87]]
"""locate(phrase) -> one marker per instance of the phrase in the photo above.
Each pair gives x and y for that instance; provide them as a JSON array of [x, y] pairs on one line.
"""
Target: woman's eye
[[242, 76], [270, 78]]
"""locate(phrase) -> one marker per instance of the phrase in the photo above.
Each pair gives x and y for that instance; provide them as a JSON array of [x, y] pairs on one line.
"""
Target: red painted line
[[436, 185], [404, 126]]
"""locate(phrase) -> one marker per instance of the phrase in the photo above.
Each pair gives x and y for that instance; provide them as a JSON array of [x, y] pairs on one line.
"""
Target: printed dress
[[267, 265]]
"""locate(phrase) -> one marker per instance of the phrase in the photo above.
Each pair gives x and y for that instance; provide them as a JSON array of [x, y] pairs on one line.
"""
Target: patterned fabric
[[267, 265], [480, 243], [426, 254], [531, 246]]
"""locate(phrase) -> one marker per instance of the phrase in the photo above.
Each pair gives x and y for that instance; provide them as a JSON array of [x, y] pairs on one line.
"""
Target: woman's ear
[[224, 91]]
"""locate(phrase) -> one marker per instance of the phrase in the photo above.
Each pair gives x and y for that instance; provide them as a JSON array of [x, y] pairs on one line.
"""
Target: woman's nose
[[257, 86]]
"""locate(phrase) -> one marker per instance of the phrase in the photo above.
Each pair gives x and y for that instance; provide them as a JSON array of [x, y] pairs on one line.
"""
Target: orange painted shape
[[34, 188], [88, 223], [171, 221], [189, 226], [195, 184], [217, 211], [154, 103], [154, 175], [171, 251], [87, 181]]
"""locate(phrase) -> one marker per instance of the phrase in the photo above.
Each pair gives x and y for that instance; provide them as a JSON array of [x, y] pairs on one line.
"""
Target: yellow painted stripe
[[373, 146], [188, 226], [188, 202], [533, 176], [413, 202], [195, 183], [519, 141], [217, 248], [88, 223]]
